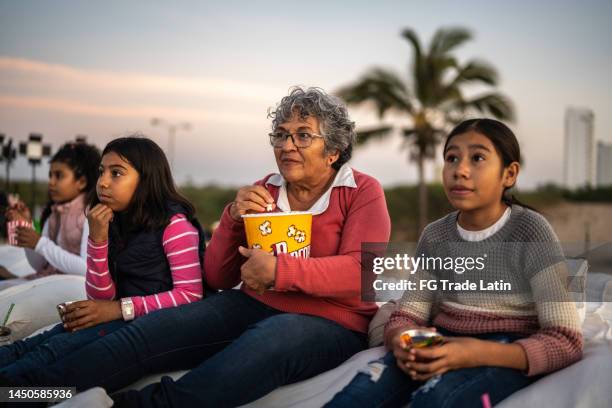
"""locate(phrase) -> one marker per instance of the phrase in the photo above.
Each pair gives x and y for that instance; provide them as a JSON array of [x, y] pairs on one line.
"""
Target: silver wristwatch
[[127, 309]]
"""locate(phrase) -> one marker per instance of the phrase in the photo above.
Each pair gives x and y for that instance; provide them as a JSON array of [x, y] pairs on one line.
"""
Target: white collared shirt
[[344, 178], [474, 236]]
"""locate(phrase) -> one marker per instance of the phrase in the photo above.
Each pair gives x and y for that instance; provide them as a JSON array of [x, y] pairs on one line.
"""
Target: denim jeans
[[237, 348], [457, 388], [52, 345]]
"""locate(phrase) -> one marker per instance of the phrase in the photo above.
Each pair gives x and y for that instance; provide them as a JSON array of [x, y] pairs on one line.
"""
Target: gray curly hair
[[337, 129]]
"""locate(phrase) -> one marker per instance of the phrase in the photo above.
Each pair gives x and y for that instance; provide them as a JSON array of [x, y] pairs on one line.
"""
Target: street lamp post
[[34, 150], [171, 128]]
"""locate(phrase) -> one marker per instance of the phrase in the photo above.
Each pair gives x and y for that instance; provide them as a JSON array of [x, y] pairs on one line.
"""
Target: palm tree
[[433, 98]]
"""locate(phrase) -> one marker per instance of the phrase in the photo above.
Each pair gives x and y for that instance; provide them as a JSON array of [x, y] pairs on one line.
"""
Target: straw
[[486, 401], [8, 314]]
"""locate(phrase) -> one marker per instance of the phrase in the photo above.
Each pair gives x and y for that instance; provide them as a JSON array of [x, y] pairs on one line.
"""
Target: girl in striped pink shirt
[[144, 253]]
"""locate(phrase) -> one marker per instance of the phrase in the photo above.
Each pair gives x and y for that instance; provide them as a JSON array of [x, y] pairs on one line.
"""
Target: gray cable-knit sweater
[[524, 253]]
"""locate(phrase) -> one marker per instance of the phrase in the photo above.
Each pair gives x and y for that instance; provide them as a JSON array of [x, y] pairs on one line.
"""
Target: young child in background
[[144, 253], [62, 246], [497, 343]]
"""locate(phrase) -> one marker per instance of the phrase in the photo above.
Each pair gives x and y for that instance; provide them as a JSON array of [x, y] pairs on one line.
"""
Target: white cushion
[[36, 300]]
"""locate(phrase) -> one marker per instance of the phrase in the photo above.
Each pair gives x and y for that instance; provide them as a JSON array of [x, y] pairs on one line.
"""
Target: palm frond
[[382, 87], [418, 69], [445, 39], [434, 83], [477, 71], [368, 135], [411, 36], [443, 63], [473, 71], [496, 104]]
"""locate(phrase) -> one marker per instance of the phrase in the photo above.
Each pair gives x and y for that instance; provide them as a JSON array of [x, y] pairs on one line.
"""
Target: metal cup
[[5, 336], [61, 309], [420, 338]]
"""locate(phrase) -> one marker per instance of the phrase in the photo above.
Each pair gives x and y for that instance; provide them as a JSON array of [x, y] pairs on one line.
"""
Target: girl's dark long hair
[[149, 206], [504, 140], [83, 159]]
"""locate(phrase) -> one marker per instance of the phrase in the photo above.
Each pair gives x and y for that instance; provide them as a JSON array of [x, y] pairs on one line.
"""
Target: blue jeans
[[237, 348], [48, 347], [458, 388]]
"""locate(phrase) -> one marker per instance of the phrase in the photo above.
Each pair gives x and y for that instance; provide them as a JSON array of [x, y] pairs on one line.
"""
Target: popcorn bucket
[[11, 229], [280, 232]]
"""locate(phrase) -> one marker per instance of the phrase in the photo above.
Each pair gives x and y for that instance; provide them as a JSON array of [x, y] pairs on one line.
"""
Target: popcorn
[[12, 199], [11, 228], [269, 207], [298, 236], [265, 228]]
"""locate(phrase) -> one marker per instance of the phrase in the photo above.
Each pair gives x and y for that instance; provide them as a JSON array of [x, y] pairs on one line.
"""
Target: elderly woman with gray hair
[[292, 318]]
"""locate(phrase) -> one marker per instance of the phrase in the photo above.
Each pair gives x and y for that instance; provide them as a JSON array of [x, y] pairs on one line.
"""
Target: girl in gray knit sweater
[[496, 342]]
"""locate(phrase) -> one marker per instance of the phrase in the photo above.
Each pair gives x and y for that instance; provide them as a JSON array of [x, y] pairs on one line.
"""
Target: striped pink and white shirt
[[180, 242]]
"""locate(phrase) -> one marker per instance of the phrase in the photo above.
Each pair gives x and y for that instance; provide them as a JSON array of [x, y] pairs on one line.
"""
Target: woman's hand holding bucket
[[259, 271]]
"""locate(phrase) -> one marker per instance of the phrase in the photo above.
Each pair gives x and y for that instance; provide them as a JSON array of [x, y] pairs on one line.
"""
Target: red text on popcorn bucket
[[282, 248]]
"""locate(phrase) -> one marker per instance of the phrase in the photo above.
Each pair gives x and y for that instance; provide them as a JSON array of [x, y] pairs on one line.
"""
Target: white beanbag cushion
[[36, 300]]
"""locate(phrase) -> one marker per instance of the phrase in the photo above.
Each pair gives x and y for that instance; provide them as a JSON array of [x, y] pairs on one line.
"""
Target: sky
[[105, 69]]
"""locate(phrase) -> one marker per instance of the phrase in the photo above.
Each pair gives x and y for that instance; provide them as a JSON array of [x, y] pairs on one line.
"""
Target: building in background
[[604, 164], [579, 164]]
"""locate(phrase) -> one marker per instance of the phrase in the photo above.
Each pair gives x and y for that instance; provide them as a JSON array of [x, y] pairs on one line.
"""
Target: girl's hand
[[98, 218], [400, 349], [259, 271], [251, 199], [88, 313], [455, 353], [27, 237], [19, 211]]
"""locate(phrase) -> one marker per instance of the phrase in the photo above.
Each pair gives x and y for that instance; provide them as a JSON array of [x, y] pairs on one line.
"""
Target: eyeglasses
[[299, 139]]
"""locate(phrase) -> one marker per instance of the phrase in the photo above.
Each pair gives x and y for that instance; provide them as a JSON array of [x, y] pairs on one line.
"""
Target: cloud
[[29, 84], [118, 111], [24, 71]]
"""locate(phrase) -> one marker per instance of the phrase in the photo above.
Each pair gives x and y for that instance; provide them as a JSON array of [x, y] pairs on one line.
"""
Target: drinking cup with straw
[[5, 332]]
